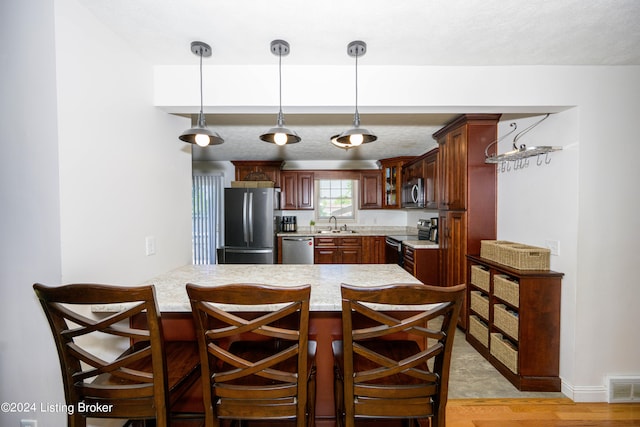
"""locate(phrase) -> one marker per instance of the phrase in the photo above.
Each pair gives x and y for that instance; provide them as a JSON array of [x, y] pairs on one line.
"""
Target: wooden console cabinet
[[514, 322]]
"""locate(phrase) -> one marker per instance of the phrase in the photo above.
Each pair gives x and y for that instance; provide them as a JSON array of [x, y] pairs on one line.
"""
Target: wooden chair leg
[[311, 398], [338, 396]]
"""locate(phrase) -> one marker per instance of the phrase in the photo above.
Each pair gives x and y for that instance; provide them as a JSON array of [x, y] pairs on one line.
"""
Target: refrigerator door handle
[[245, 231], [250, 222]]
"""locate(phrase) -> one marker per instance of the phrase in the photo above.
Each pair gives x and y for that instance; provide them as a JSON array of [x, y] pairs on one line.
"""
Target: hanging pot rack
[[520, 152]]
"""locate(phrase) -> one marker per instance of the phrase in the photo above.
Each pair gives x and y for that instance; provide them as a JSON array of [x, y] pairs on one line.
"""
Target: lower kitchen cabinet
[[338, 250], [424, 264], [514, 322]]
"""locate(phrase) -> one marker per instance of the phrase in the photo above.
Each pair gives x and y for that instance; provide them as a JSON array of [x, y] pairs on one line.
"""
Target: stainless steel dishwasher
[[297, 250]]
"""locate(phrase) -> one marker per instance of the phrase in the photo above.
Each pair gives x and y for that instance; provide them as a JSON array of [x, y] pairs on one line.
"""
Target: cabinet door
[[305, 190], [431, 181], [454, 170], [373, 249], [289, 190], [370, 190], [325, 255], [297, 190], [456, 263], [351, 255]]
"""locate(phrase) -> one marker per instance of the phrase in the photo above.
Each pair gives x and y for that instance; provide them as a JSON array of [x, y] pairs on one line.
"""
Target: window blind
[[206, 217]]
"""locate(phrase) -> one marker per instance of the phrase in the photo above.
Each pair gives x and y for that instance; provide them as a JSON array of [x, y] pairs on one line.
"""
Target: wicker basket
[[480, 277], [480, 304], [479, 330], [505, 320], [524, 257], [502, 350], [506, 289], [489, 248]]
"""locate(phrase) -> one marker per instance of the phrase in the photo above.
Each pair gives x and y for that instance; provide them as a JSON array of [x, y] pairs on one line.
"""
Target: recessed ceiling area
[[460, 33]]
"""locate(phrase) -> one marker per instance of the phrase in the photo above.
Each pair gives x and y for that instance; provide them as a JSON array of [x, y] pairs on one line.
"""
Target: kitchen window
[[336, 197]]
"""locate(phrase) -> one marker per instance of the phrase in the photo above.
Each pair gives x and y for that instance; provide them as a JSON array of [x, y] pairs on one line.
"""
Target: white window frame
[[341, 220]]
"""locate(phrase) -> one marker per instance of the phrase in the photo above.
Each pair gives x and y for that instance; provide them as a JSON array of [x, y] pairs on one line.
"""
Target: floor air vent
[[624, 389]]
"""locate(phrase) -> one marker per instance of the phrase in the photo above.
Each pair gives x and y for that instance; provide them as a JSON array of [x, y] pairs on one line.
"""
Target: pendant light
[[280, 135], [201, 134], [356, 135]]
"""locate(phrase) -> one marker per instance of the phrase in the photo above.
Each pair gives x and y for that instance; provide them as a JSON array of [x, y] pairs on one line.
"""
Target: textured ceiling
[[407, 32]]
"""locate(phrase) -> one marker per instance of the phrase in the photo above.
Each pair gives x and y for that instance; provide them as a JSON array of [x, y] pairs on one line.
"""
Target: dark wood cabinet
[[371, 190], [297, 190], [392, 181], [423, 264], [431, 181], [270, 170], [373, 250], [467, 189], [514, 322], [338, 250]]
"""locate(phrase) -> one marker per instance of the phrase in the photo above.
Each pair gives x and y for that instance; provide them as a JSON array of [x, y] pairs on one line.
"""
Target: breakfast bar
[[325, 319]]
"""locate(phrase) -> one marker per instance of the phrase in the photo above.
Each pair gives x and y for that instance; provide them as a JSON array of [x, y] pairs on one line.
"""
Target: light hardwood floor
[[539, 413]]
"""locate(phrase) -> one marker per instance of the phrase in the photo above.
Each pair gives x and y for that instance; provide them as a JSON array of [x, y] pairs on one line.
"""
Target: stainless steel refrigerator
[[250, 225]]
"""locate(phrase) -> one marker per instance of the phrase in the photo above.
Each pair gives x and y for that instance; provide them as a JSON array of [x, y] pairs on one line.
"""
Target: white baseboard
[[585, 393]]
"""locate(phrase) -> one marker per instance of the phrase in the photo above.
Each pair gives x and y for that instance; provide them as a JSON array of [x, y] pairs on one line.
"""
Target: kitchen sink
[[336, 231]]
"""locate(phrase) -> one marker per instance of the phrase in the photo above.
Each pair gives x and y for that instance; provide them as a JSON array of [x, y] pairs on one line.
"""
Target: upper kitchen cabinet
[[371, 194], [247, 170], [297, 190], [392, 181], [431, 180], [464, 177]]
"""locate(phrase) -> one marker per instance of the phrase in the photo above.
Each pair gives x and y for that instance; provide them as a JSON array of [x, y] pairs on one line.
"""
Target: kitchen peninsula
[[325, 322]]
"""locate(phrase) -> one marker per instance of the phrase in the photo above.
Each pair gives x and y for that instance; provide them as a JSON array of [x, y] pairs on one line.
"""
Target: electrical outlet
[[150, 245], [28, 423], [553, 246]]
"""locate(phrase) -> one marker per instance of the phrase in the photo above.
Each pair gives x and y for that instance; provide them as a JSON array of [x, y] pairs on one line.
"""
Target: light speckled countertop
[[325, 280]]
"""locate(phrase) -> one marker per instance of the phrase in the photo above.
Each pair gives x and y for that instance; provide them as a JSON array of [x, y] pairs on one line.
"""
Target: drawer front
[[350, 241], [325, 241]]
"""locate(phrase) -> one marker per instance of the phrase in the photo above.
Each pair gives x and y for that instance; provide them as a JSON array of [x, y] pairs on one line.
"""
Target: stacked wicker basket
[[515, 255]]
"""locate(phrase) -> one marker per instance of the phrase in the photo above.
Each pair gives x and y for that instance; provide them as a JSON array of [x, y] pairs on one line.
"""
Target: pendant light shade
[[280, 135], [356, 135], [200, 134]]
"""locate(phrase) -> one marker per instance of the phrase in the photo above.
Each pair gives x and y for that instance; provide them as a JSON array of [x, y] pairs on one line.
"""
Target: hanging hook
[[508, 166], [547, 158], [514, 125], [521, 134], [538, 160], [526, 162]]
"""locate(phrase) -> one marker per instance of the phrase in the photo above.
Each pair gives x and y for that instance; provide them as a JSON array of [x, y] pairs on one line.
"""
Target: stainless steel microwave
[[413, 193]]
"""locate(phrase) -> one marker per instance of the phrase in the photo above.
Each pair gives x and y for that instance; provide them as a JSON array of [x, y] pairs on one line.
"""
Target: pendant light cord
[[201, 96], [280, 75], [356, 118]]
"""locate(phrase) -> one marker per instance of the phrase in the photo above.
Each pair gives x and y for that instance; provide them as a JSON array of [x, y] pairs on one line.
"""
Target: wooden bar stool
[[257, 362], [144, 381], [394, 364]]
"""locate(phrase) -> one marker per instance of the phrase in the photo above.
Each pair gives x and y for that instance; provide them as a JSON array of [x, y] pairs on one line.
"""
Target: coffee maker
[[428, 229]]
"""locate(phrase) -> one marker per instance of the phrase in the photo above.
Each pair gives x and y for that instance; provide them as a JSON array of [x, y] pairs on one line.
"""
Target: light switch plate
[[553, 246], [28, 423]]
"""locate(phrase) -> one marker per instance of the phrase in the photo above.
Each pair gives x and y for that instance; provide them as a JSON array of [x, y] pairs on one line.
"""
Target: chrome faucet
[[335, 223]]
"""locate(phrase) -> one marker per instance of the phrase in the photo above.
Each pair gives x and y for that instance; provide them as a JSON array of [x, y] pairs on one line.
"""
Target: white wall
[[89, 167], [29, 204], [586, 198], [124, 175]]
